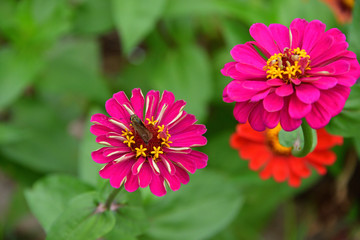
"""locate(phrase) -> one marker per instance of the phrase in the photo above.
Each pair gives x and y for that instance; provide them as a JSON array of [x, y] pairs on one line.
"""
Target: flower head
[[265, 153], [289, 74], [148, 149]]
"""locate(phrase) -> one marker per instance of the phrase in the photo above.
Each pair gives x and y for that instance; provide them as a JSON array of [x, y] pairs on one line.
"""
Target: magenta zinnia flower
[[289, 74], [148, 149]]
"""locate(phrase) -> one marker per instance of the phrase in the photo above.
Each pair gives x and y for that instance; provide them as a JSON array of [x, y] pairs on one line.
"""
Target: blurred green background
[[60, 60]]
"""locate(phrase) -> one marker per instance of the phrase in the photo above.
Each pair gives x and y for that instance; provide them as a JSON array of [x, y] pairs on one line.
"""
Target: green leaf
[[347, 123], [49, 197], [198, 210], [17, 71], [354, 32], [187, 73], [46, 145], [80, 220], [73, 68], [93, 17], [88, 169], [135, 19]]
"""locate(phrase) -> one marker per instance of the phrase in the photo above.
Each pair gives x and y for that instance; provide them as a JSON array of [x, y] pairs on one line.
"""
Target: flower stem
[[111, 197], [310, 141]]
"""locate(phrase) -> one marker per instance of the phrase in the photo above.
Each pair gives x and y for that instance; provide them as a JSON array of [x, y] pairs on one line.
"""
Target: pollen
[[292, 64], [272, 138]]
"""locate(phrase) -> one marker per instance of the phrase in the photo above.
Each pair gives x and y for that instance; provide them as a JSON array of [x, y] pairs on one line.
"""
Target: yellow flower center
[[272, 138], [152, 148], [291, 64]]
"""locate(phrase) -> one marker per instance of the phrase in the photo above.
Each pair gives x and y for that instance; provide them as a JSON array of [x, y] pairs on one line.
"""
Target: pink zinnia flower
[[148, 149], [289, 74]]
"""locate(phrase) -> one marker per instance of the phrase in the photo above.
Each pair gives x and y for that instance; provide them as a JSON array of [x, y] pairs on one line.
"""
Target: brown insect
[[140, 128]]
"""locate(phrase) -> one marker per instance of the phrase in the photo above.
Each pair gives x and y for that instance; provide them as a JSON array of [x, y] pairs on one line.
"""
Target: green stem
[[111, 197], [310, 141]]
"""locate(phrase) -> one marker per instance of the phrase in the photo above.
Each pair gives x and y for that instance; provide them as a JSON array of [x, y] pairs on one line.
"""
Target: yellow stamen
[[140, 151], [129, 140], [156, 152], [152, 121], [126, 132], [165, 141]]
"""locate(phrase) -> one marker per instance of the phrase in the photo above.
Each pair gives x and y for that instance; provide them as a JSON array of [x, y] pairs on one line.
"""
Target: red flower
[[264, 152]]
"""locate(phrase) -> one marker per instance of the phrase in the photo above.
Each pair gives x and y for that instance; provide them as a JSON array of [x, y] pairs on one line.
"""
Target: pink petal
[[183, 160], [200, 158], [273, 102], [194, 141], [237, 92], [335, 68], [168, 164], [323, 82], [173, 113], [313, 32], [132, 182], [182, 175], [318, 117], [145, 175], [154, 166], [256, 118], [109, 141], [152, 100], [286, 121], [297, 28], [121, 170], [280, 34], [137, 101], [259, 96], [183, 122], [250, 71], [99, 130], [333, 100], [98, 156], [271, 119], [284, 90], [275, 82], [246, 53], [166, 101], [307, 93], [124, 102], [242, 111], [262, 35], [136, 167], [114, 109], [230, 70], [157, 186], [172, 181], [255, 85], [298, 109]]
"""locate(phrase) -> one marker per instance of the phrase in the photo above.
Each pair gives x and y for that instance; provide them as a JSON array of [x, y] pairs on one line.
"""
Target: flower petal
[[157, 186], [307, 93], [273, 102], [262, 35], [256, 118], [298, 109], [280, 34], [284, 90]]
